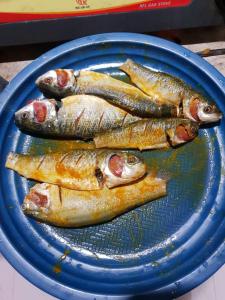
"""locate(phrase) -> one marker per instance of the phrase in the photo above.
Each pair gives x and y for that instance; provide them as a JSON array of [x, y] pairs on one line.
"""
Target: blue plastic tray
[[162, 249]]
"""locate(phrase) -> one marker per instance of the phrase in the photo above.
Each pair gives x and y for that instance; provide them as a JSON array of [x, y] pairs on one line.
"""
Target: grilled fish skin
[[80, 169], [164, 88], [80, 116], [149, 134], [115, 91], [68, 208]]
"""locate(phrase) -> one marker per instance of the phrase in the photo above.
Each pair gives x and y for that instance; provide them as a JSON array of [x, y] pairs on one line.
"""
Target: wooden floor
[[14, 287]]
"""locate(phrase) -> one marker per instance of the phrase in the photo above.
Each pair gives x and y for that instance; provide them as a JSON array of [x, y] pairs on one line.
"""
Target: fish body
[[149, 134], [115, 91], [69, 208], [167, 89], [79, 169], [80, 116], [122, 94]]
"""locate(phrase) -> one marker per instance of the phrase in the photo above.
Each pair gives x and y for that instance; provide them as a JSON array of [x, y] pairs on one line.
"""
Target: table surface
[[14, 287]]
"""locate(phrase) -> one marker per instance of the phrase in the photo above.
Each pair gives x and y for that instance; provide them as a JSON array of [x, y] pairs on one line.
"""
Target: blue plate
[[162, 249]]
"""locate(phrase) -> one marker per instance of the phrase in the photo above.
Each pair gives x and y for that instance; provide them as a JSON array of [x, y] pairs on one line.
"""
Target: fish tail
[[163, 175], [11, 160]]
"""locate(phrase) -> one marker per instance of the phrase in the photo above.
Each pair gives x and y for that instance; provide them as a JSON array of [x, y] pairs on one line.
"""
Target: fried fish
[[80, 116], [69, 208], [80, 169], [167, 89], [149, 134]]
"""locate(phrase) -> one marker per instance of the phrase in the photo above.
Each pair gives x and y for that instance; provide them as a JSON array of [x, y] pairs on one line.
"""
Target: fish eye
[[207, 109], [48, 80], [24, 115], [131, 159]]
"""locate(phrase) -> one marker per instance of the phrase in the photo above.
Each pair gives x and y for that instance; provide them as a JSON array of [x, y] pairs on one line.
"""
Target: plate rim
[[215, 261]]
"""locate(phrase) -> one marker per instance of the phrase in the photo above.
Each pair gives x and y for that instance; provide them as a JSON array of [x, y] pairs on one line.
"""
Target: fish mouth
[[213, 116], [28, 207], [24, 115]]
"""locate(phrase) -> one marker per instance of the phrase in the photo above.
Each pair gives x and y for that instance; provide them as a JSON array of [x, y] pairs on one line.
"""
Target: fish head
[[36, 114], [122, 168], [37, 202], [57, 83], [202, 111], [183, 132]]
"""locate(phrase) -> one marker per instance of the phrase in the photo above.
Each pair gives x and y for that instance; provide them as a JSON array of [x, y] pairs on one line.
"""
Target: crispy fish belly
[[149, 134], [80, 169], [164, 88], [123, 95], [69, 208], [80, 116]]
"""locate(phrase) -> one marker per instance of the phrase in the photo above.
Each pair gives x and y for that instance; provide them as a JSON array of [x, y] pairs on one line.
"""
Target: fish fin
[[164, 175], [159, 174], [155, 146], [126, 65], [170, 135], [76, 73], [67, 100]]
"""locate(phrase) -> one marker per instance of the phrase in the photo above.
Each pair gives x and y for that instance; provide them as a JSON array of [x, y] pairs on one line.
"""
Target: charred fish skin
[[80, 116], [58, 83], [123, 95], [80, 169], [164, 88], [69, 208], [149, 134]]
